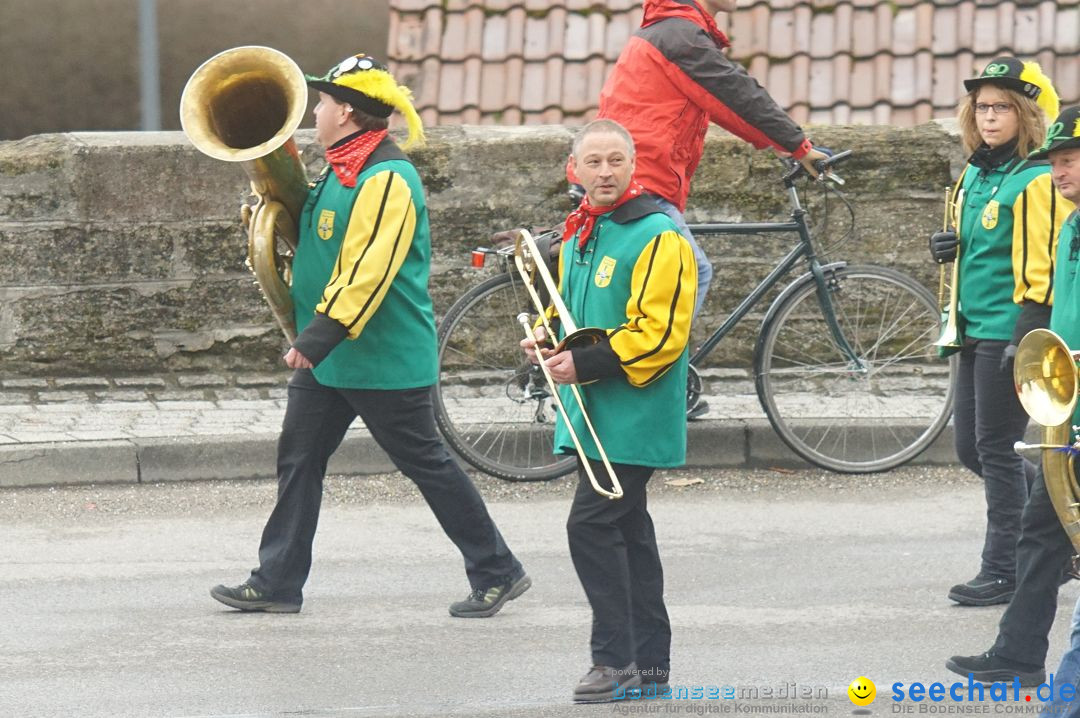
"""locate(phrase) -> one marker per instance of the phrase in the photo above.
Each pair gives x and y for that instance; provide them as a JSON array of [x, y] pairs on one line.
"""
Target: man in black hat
[[366, 347], [1044, 546], [1062, 146]]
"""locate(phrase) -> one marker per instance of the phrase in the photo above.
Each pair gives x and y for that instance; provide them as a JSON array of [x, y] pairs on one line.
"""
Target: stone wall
[[121, 253]]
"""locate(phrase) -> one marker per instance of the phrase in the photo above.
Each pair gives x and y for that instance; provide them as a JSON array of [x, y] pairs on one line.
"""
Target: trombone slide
[[525, 251]]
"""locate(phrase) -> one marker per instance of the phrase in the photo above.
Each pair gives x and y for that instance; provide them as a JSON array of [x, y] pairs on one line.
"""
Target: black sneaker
[[602, 683], [484, 602], [992, 668], [248, 598], [983, 591], [697, 411]]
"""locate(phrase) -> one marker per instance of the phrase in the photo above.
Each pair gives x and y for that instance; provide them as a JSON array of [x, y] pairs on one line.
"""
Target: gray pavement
[[773, 579], [209, 426]]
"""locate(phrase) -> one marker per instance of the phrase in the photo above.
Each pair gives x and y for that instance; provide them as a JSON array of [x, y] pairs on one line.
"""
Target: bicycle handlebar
[[795, 168]]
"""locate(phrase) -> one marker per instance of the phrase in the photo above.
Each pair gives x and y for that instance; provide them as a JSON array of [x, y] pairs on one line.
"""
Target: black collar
[[989, 158], [348, 138], [636, 208]]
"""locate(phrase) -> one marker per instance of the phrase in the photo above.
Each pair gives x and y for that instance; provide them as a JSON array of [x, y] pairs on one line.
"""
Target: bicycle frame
[[803, 251]]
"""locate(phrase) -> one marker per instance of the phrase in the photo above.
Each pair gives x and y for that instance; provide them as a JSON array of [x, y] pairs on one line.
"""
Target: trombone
[[950, 331], [530, 265]]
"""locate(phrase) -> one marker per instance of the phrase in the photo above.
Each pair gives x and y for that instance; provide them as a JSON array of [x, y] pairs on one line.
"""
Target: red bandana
[[348, 159], [584, 217]]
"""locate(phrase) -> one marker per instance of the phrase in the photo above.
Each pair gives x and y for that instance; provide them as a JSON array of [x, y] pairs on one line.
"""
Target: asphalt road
[[775, 581]]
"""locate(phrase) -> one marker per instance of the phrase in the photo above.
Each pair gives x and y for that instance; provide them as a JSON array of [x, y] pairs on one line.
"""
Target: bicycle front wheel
[[492, 406], [855, 417]]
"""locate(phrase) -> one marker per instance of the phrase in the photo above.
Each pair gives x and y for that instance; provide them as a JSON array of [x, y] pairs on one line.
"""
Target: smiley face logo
[[862, 691]]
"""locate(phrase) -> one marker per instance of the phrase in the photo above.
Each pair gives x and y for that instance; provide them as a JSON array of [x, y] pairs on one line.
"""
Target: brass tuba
[[1045, 374], [243, 105]]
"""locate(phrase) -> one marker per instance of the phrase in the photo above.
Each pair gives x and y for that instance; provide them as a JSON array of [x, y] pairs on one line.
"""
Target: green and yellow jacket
[[360, 278], [1010, 219], [636, 278]]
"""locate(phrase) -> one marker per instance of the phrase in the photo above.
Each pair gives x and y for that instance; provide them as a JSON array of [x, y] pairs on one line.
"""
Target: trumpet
[[950, 331], [530, 266], [1045, 375]]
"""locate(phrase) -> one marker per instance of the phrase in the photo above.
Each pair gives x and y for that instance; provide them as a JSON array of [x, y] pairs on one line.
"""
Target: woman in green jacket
[[1008, 216]]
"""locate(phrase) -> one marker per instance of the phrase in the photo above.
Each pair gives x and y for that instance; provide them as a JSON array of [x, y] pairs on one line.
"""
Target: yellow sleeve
[[1038, 214], [662, 292], [378, 238]]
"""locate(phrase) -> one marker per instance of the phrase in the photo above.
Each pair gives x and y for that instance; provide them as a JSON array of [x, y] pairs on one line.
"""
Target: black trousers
[[613, 546], [402, 422], [988, 420], [1041, 555]]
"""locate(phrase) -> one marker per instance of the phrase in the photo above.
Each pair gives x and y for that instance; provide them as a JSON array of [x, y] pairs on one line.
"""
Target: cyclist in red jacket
[[670, 81]]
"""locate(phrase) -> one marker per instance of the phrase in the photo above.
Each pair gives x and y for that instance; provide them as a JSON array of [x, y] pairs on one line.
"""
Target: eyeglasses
[[999, 108]]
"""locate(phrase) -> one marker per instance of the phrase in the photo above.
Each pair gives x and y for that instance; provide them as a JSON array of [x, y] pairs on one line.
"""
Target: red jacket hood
[[657, 10]]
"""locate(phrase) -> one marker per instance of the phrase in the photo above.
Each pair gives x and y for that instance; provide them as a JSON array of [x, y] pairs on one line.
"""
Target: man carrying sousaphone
[[1044, 547], [1062, 147], [366, 347], [625, 269]]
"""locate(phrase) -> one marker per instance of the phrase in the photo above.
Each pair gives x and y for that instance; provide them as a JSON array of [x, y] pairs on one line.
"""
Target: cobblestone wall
[[121, 253]]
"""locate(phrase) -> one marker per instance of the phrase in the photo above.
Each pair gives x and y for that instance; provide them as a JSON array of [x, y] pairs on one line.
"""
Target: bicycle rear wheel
[[492, 406], [834, 413]]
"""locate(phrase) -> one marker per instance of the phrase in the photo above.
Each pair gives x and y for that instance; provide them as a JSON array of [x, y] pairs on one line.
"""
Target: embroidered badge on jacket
[[604, 272], [990, 215], [325, 228]]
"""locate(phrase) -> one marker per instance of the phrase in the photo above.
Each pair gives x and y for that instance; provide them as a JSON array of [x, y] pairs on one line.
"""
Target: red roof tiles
[[825, 61]]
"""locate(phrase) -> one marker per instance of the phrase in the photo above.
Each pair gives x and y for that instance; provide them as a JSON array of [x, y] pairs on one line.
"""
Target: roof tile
[[451, 79], [1067, 37], [576, 97], [495, 38], [985, 30], [1026, 31], [493, 86], [904, 31], [577, 37], [453, 38], [536, 38], [825, 42], [945, 25], [863, 33]]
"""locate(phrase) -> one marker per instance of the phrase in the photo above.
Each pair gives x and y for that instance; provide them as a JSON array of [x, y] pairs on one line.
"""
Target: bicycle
[[840, 344]]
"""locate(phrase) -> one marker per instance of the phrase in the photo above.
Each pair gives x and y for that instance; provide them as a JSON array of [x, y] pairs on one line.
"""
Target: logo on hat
[[996, 70]]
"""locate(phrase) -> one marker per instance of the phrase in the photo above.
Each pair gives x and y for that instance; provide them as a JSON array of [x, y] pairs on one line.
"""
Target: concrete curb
[[711, 444]]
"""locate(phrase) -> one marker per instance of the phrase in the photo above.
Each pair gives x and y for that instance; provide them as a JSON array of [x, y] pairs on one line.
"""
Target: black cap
[[341, 82], [1064, 134], [1005, 72]]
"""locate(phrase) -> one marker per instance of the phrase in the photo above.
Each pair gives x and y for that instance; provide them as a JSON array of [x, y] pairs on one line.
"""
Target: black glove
[[943, 246], [1033, 315], [1007, 357]]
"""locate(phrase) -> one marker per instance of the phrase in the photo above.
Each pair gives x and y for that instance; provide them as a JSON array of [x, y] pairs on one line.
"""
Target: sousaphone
[[243, 105]]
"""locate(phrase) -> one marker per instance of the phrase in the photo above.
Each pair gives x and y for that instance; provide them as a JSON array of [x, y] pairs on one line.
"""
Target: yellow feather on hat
[[381, 85], [1048, 98]]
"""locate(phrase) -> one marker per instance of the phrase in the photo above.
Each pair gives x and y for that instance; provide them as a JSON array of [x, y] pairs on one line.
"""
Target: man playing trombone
[[625, 269]]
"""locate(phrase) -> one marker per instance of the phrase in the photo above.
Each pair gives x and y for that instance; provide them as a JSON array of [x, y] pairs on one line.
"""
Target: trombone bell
[[1045, 376]]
